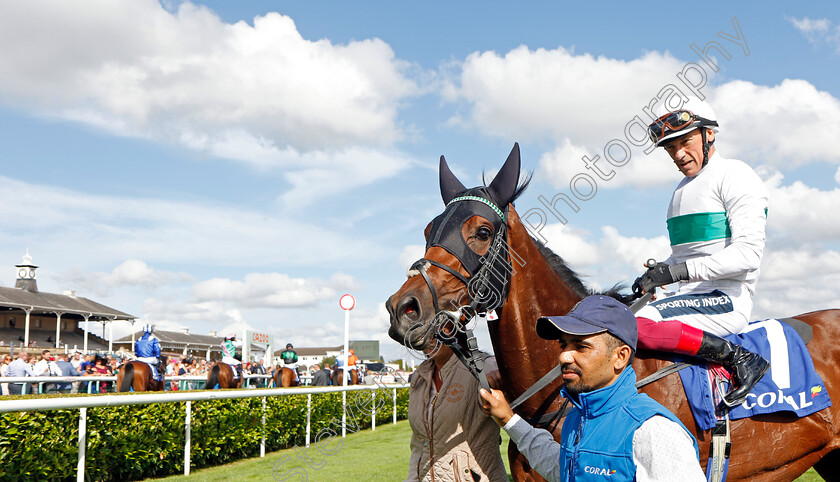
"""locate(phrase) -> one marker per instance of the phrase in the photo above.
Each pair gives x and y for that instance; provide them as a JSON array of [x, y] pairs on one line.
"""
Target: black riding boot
[[746, 367]]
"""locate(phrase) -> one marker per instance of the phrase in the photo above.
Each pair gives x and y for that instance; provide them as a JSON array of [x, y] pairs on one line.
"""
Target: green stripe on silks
[[691, 228]]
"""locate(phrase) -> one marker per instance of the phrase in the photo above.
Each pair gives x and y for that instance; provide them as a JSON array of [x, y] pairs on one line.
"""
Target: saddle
[[157, 375]]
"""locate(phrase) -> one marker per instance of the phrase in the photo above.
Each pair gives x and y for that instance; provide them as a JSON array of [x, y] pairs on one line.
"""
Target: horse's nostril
[[410, 309]]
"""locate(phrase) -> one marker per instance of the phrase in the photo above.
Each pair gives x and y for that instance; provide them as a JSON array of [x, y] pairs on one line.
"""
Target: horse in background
[[137, 376], [285, 377], [773, 447], [352, 380], [221, 374]]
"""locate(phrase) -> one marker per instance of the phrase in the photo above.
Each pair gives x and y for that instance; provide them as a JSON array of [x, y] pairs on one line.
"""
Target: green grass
[[380, 455], [371, 456]]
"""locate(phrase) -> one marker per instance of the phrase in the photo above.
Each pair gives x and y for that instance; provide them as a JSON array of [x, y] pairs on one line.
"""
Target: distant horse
[[774, 447], [285, 377], [137, 376], [352, 380], [222, 374]]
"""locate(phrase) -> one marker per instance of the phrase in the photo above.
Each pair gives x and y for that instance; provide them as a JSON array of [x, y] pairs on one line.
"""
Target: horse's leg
[[829, 466], [519, 467]]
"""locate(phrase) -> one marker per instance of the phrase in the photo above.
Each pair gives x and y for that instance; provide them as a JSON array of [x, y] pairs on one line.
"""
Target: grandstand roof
[[69, 304]]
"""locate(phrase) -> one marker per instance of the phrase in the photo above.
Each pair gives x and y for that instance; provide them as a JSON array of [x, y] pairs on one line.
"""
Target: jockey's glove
[[659, 275]]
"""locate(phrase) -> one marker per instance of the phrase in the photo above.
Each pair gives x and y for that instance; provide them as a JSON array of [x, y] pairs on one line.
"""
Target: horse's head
[[465, 268]]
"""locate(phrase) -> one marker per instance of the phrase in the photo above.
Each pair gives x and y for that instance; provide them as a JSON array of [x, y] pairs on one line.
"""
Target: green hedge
[[138, 441]]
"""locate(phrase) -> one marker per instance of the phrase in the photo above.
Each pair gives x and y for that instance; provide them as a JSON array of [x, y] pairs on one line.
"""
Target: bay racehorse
[[137, 376], [285, 377], [353, 378], [222, 374], [776, 447]]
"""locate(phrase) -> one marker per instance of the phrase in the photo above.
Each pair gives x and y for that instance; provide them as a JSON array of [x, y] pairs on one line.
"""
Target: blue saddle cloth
[[792, 384]]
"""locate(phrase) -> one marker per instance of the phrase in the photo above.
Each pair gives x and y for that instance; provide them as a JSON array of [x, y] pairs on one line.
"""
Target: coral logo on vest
[[598, 471]]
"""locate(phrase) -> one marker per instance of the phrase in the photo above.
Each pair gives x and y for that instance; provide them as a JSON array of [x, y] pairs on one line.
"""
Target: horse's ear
[[504, 184], [449, 184]]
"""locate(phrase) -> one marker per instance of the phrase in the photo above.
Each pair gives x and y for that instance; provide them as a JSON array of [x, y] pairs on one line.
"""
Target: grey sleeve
[[538, 446]]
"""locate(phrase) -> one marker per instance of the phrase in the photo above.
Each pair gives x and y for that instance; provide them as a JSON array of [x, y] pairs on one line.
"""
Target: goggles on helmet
[[674, 122]]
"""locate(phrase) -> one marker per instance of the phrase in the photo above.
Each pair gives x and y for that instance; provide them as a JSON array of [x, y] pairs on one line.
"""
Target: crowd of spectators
[[46, 363]]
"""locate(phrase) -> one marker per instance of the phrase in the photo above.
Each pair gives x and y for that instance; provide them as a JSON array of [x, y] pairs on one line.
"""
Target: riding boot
[[746, 367]]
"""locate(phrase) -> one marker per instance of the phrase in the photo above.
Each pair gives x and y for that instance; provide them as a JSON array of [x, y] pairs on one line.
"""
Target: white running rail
[[83, 403]]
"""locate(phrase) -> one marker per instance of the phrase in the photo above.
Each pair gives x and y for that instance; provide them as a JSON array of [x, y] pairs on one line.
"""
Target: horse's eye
[[483, 233]]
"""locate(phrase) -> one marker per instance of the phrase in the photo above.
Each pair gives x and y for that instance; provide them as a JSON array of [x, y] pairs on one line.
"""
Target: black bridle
[[489, 275]]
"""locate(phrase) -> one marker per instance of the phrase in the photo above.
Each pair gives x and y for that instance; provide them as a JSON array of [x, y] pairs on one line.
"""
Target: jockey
[[290, 359], [716, 222], [353, 361], [342, 362], [147, 349], [229, 353]]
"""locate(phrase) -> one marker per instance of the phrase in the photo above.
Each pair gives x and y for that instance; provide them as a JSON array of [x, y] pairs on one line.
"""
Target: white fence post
[[373, 411], [395, 405], [308, 416], [262, 442], [80, 467], [187, 422], [344, 413]]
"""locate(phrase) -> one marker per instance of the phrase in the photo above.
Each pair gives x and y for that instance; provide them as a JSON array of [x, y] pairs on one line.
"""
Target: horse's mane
[[569, 276], [572, 279]]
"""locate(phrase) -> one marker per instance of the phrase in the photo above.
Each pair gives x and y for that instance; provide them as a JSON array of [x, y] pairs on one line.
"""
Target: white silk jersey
[[716, 225]]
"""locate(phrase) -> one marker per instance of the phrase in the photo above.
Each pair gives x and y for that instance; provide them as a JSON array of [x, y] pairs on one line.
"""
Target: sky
[[228, 165]]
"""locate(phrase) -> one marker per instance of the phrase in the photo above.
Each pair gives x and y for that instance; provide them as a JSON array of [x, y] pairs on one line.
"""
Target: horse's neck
[[536, 289]]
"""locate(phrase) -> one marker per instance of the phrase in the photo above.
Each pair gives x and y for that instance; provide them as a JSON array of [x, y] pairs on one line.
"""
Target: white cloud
[[818, 31], [787, 125], [141, 64], [410, 254], [529, 94], [268, 290], [70, 225], [802, 213], [797, 281], [341, 171], [560, 166], [808, 25], [605, 261], [582, 102], [837, 176], [131, 272], [261, 94]]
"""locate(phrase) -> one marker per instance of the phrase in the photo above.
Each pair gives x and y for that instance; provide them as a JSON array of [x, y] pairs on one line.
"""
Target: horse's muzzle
[[407, 327]]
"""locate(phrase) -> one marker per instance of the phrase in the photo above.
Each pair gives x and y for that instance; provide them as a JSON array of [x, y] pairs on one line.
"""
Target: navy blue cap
[[593, 314]]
